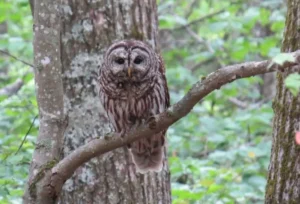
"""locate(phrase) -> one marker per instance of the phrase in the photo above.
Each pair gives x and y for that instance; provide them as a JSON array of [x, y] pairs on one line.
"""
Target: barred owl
[[133, 88]]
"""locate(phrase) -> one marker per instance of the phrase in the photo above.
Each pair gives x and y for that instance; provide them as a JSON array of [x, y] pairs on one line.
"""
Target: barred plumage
[[133, 88]]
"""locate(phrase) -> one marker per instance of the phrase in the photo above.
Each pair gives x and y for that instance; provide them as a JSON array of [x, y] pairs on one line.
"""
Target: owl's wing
[[162, 70], [148, 153]]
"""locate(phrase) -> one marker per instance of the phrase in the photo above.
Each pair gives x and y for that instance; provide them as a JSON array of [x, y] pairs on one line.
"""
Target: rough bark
[[49, 90], [70, 39], [267, 89], [88, 28], [284, 178], [31, 3]]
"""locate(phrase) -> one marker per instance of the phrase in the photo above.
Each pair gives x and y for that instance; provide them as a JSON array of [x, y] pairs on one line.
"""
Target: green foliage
[[18, 110], [292, 82], [220, 152], [283, 57]]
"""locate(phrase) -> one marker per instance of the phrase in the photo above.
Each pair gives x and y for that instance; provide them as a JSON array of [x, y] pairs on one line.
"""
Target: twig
[[201, 64], [203, 18], [192, 5], [14, 57], [12, 88], [66, 167], [238, 102], [27, 133], [205, 43]]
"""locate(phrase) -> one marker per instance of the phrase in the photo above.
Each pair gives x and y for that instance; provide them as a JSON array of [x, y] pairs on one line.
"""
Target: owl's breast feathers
[[139, 103]]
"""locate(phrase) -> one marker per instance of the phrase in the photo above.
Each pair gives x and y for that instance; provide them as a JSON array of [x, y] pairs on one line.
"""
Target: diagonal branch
[[12, 88], [54, 179], [205, 43], [27, 133], [14, 57], [203, 18]]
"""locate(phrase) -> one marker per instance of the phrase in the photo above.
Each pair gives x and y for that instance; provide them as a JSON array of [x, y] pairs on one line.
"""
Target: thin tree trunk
[[49, 90], [284, 171], [87, 30], [267, 89]]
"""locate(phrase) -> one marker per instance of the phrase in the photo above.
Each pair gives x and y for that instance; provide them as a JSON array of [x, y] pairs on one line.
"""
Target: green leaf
[[267, 44], [15, 159], [283, 57], [292, 82]]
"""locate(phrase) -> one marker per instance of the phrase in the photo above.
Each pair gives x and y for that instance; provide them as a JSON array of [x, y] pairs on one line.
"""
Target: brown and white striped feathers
[[133, 87]]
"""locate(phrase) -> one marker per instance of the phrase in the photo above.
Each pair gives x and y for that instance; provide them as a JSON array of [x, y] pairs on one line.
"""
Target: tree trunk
[[69, 42], [88, 28], [284, 179], [267, 89]]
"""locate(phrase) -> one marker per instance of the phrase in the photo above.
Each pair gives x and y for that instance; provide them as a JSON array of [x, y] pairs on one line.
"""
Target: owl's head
[[130, 61]]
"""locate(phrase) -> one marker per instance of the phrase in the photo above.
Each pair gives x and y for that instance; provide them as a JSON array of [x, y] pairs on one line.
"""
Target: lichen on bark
[[89, 27], [69, 42]]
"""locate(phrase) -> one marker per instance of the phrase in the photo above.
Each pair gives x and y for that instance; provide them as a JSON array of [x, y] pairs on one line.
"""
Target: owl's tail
[[148, 153]]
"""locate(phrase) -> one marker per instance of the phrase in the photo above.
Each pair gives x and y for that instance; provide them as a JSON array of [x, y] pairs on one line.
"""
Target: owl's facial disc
[[118, 60], [139, 64], [129, 69]]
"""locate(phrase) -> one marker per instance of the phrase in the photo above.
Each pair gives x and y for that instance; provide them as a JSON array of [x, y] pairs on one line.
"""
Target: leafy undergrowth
[[220, 152], [18, 110]]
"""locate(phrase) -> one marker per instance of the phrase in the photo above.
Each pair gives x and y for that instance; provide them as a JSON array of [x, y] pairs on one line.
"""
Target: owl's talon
[[132, 119], [121, 134]]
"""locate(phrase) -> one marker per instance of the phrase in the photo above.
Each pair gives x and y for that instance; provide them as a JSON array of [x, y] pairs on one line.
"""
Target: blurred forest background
[[220, 152]]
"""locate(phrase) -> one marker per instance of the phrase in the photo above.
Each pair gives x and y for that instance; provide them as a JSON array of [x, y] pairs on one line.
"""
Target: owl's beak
[[129, 72]]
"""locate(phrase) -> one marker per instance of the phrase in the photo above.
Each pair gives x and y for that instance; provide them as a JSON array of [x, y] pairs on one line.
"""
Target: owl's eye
[[138, 60], [120, 60]]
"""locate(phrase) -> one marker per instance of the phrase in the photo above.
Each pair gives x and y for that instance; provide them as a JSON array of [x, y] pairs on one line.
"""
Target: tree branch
[[27, 133], [203, 18], [54, 179], [238, 103], [206, 44], [12, 88], [14, 57]]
